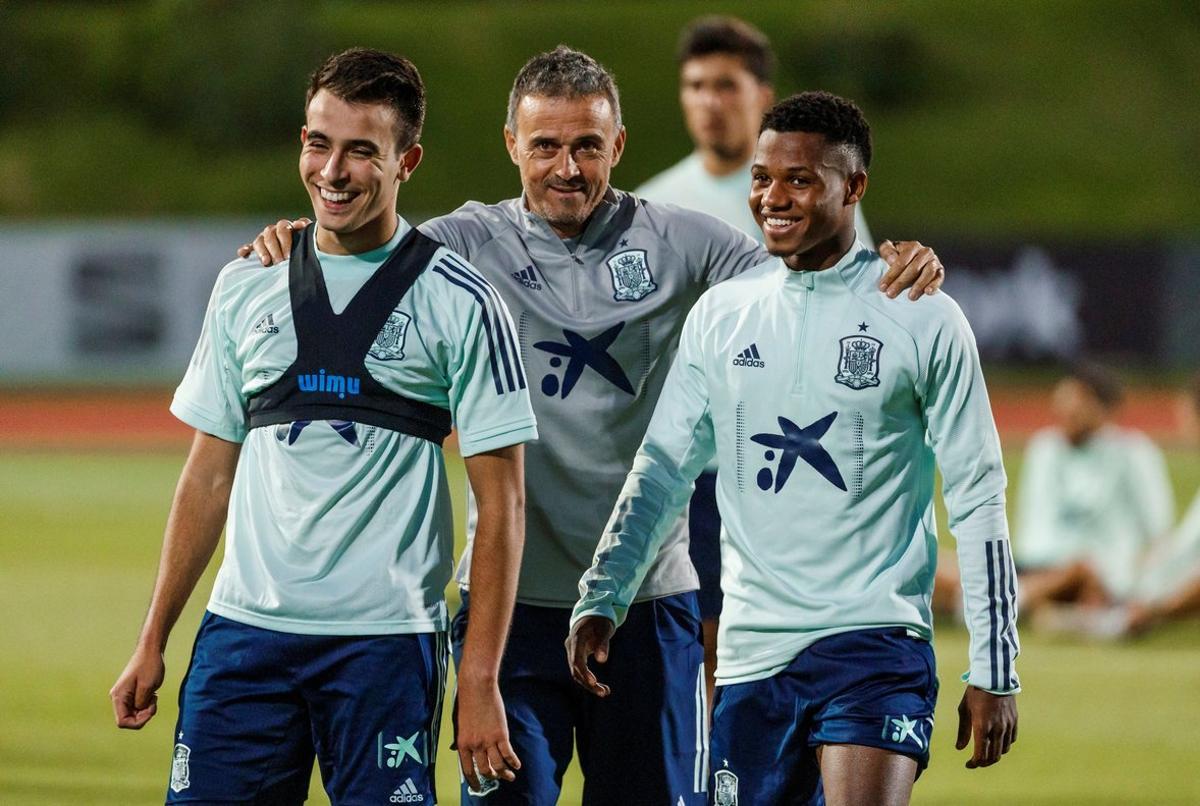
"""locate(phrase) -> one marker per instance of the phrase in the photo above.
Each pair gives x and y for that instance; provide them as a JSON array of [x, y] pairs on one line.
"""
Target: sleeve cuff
[[205, 421], [499, 437], [966, 678]]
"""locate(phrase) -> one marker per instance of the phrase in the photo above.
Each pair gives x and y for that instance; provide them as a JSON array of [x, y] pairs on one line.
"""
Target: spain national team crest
[[180, 773], [726, 791], [389, 344], [858, 362], [631, 275]]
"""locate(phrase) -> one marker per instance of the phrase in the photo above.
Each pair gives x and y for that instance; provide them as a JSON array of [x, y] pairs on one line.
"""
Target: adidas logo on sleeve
[[749, 358]]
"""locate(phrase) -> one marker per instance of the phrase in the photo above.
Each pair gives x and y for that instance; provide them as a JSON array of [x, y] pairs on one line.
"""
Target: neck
[[1083, 436], [371, 235], [567, 231], [824, 255], [724, 164]]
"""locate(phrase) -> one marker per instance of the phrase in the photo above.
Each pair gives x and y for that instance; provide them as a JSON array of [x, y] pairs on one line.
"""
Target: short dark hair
[[719, 34], [838, 119], [1099, 380], [366, 76], [562, 73]]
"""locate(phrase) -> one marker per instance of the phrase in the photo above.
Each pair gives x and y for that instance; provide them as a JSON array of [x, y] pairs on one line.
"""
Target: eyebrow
[[370, 144], [792, 169]]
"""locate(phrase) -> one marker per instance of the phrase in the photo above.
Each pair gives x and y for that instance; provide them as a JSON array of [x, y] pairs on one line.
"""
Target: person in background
[[1092, 498], [1168, 588]]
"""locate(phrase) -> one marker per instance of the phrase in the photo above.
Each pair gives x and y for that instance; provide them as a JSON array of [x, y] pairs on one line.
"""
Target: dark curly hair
[[839, 120], [365, 76], [728, 35]]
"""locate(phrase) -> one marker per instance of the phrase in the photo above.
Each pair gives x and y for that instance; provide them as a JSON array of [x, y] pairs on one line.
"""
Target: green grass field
[[1100, 724]]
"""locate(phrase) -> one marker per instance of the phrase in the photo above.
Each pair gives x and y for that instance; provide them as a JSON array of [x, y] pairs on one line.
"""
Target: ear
[[766, 97], [618, 147], [856, 187], [303, 135], [510, 143], [409, 162]]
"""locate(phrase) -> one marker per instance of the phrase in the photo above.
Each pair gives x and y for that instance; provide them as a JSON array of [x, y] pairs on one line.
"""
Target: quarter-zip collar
[[548, 249], [818, 279]]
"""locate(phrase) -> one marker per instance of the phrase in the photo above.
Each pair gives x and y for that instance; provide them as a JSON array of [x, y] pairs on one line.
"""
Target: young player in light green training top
[[825, 403], [320, 392]]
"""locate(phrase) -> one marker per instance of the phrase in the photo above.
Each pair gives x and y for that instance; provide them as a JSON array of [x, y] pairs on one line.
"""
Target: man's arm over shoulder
[[711, 250], [466, 229]]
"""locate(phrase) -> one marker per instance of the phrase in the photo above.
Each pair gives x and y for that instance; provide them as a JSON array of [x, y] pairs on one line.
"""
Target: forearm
[[193, 531], [493, 591], [650, 503], [498, 483], [989, 598]]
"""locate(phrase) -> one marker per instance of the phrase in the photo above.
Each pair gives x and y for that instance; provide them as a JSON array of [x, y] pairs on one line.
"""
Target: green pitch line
[[1100, 724]]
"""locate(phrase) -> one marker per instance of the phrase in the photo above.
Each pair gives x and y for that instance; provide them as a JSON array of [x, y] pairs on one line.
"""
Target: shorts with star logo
[[643, 745], [257, 705], [876, 688]]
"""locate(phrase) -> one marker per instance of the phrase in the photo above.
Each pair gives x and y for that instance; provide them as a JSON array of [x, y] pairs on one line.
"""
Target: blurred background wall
[[1047, 149]]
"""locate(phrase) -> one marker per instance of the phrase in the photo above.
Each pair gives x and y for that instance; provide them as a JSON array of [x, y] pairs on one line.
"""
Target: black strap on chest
[[329, 379]]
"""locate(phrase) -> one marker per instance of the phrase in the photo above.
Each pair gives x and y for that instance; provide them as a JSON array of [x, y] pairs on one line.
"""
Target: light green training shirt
[[1103, 502], [340, 528], [825, 404]]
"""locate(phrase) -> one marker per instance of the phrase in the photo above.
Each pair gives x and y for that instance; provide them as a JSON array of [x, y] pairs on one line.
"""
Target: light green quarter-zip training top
[[825, 404]]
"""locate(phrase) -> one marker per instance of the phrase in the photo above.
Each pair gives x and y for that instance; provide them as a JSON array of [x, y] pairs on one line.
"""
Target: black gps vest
[[329, 379]]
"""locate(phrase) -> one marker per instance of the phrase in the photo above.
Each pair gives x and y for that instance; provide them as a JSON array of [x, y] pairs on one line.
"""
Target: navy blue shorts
[[704, 544], [257, 705], [875, 688], [646, 742]]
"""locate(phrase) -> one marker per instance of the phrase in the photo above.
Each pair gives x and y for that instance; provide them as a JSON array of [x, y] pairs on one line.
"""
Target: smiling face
[[802, 194], [723, 104], [352, 170], [566, 148]]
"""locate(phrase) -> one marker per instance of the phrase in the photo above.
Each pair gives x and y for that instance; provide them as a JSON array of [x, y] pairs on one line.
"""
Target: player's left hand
[[588, 637], [992, 720], [481, 735], [910, 264]]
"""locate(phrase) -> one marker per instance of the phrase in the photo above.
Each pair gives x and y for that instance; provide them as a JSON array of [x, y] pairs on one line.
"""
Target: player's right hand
[[991, 721], [134, 695], [274, 243], [589, 637], [485, 753]]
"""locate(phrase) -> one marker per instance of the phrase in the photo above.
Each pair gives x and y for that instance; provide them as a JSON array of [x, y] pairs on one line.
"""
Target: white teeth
[[329, 195], [779, 222]]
